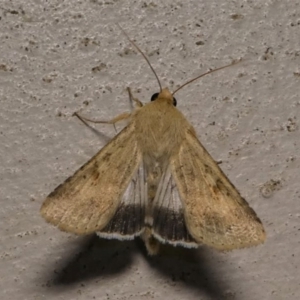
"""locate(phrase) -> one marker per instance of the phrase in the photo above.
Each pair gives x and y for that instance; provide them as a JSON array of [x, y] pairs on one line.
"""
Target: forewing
[[215, 212], [168, 216], [87, 201], [128, 221]]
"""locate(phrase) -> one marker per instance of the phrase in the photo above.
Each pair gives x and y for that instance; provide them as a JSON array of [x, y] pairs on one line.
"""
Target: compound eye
[[154, 96], [174, 101]]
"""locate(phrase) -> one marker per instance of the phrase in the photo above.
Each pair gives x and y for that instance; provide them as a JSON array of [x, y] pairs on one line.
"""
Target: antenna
[[209, 72], [145, 57]]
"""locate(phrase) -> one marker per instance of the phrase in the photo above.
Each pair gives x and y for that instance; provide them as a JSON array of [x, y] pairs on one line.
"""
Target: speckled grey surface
[[58, 57]]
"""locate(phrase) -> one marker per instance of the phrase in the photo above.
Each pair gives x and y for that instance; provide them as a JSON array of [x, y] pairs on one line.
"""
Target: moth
[[156, 181]]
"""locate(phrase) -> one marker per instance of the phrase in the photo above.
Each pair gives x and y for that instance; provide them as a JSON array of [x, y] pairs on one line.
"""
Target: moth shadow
[[194, 268], [96, 257]]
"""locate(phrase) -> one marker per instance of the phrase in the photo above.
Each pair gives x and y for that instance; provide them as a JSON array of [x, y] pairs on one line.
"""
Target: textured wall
[[58, 57]]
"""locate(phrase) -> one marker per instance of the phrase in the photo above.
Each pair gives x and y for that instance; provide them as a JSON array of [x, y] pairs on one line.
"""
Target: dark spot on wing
[[170, 225]]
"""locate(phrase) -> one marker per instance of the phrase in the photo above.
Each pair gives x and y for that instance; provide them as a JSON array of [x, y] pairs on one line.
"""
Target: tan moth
[[155, 180]]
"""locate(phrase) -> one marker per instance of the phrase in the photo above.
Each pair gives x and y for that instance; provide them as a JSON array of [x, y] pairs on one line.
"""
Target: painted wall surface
[[59, 57]]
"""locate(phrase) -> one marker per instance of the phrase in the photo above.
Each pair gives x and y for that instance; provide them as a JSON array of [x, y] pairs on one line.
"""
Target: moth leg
[[137, 101], [113, 121]]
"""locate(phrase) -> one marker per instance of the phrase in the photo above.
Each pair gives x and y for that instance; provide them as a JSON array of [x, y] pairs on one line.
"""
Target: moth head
[[164, 95]]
